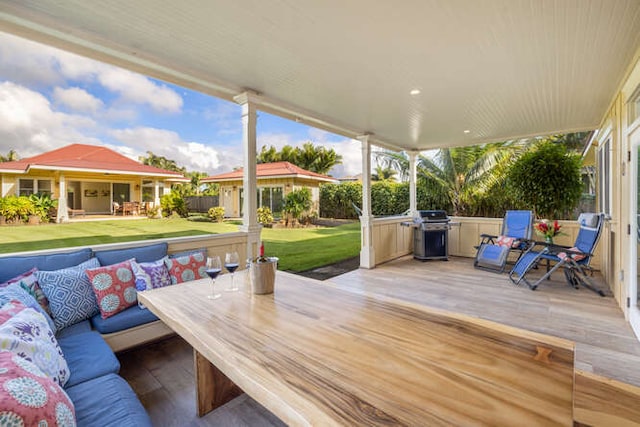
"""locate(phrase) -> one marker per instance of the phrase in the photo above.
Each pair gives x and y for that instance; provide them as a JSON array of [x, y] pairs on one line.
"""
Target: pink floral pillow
[[187, 267], [509, 242], [29, 282], [574, 253], [114, 286], [28, 397]]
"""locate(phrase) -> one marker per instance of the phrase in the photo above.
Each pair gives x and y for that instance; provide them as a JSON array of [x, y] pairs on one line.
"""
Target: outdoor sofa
[[84, 344]]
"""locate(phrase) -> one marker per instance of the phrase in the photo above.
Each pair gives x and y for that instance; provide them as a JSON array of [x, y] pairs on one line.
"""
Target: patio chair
[[575, 260], [493, 251]]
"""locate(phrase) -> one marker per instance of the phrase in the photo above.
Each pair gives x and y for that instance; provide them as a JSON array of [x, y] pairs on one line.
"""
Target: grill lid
[[432, 216]]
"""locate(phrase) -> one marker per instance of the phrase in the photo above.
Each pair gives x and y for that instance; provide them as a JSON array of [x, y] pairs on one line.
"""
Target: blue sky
[[51, 98]]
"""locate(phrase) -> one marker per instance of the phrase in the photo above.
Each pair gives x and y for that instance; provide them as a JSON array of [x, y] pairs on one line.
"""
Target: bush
[[173, 204], [43, 205], [265, 217], [216, 213], [152, 212], [16, 209], [548, 180], [297, 202]]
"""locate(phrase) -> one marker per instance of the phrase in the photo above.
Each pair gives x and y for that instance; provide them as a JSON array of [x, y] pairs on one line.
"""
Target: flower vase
[[549, 240]]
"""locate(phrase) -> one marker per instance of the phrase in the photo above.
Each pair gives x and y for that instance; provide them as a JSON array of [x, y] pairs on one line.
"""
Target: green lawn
[[298, 249]]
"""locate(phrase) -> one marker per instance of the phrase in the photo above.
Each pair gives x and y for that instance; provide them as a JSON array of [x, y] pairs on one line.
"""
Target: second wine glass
[[231, 263], [214, 268]]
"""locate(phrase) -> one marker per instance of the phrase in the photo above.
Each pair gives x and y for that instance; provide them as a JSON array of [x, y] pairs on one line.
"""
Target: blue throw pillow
[[71, 297], [147, 253], [15, 292]]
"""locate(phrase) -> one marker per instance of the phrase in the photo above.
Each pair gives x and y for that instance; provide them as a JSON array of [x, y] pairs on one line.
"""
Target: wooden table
[[316, 355]]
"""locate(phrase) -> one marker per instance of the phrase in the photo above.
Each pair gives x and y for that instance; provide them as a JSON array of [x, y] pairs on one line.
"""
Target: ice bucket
[[263, 276]]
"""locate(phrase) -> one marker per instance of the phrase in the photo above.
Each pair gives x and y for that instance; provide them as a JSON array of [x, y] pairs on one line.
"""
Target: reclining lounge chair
[[575, 260], [493, 251]]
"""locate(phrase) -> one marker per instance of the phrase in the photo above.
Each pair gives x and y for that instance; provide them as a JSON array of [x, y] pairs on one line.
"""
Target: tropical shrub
[[265, 217], [296, 203], [216, 213], [174, 203], [16, 209], [547, 180], [43, 204]]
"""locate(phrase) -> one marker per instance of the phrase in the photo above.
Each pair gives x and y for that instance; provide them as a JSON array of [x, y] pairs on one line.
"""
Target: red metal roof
[[82, 157], [271, 170]]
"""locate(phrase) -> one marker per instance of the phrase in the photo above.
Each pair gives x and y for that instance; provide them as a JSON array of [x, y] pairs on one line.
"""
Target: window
[[148, 190], [604, 177], [26, 187], [271, 197]]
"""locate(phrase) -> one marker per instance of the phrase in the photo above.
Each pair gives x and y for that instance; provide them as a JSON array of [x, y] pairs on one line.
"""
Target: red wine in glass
[[231, 263]]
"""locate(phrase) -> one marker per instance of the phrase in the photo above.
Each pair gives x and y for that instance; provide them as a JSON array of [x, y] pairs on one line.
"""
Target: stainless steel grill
[[431, 235]]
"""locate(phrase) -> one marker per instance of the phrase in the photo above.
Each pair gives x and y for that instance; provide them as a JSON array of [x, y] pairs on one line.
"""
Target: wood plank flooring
[[162, 373]]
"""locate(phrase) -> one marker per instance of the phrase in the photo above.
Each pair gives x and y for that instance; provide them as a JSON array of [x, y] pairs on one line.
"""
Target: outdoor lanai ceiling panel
[[498, 68]]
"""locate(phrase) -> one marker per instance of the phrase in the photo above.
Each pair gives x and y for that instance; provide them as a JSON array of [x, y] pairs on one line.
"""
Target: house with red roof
[[274, 181], [90, 177]]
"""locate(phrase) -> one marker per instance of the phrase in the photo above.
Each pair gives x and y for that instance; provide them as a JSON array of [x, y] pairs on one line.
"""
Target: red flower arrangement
[[548, 230]]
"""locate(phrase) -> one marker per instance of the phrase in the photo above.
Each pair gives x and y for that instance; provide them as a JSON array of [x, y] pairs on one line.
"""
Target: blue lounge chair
[[493, 251], [575, 260]]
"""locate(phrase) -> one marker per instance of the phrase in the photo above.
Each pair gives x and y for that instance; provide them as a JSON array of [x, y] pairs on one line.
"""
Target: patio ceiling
[[500, 69]]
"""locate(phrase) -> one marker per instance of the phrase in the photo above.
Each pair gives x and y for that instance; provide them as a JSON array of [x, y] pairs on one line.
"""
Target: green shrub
[[43, 205], [152, 212], [265, 217], [216, 213], [173, 203], [16, 209], [547, 179], [297, 202]]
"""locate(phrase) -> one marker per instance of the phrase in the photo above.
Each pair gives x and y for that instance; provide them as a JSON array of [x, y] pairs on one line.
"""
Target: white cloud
[[30, 126], [192, 155], [140, 90], [77, 99]]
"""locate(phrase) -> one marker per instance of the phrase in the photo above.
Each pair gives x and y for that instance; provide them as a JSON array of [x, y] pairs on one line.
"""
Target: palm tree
[[467, 173], [398, 161], [11, 156], [384, 174]]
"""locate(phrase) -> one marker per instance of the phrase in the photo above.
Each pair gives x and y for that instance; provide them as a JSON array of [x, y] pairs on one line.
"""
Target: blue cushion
[[492, 255], [15, 265], [129, 318], [88, 356], [107, 401], [70, 295], [76, 328], [15, 292], [141, 254]]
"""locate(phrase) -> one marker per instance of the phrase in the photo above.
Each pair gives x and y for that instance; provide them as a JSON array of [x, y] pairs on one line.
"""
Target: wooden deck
[[162, 374]]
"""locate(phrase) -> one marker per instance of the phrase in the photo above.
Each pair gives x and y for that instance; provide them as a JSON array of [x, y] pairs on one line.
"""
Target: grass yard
[[298, 249]]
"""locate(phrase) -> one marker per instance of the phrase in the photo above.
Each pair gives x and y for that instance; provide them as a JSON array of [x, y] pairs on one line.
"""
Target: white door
[[227, 201], [634, 295]]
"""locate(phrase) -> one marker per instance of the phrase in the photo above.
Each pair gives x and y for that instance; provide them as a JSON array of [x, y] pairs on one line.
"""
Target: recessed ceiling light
[[467, 131], [415, 92]]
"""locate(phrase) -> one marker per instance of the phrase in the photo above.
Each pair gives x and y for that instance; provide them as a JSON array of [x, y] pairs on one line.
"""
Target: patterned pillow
[[151, 275], [70, 294], [509, 242], [574, 253], [186, 268], [29, 283], [26, 334], [16, 292], [28, 397], [114, 286]]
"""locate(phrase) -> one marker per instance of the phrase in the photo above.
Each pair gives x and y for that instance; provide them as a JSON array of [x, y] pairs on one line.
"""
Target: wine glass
[[214, 267], [231, 263]]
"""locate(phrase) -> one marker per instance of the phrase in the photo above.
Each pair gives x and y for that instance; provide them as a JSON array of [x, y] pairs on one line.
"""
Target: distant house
[[274, 181], [90, 176]]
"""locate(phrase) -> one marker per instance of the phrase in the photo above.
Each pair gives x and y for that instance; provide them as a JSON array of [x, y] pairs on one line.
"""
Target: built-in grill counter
[[430, 234]]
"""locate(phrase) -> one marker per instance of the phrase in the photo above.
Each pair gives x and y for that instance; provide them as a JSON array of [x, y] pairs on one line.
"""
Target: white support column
[[156, 198], [248, 101], [413, 175], [367, 251], [63, 213]]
